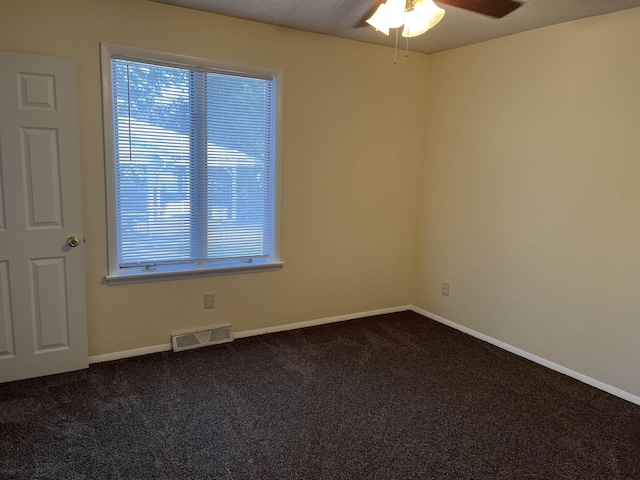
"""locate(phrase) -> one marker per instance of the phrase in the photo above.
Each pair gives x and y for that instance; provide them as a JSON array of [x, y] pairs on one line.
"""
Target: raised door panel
[[37, 90], [49, 304], [3, 215], [7, 348], [41, 167]]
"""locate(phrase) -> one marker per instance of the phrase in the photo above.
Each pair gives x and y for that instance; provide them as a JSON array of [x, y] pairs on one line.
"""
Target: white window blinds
[[194, 155]]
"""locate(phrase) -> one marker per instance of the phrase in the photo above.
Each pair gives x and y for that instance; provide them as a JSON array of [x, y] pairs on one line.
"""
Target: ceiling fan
[[418, 16]]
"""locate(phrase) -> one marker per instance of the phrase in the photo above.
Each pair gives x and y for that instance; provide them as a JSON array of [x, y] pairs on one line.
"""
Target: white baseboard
[[136, 352], [341, 318], [320, 321], [534, 358], [250, 333]]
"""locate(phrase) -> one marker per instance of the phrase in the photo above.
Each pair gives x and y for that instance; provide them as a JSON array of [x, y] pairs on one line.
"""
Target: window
[[191, 164]]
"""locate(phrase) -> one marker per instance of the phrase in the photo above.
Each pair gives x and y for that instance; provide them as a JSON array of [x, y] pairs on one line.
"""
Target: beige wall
[[532, 193], [349, 189]]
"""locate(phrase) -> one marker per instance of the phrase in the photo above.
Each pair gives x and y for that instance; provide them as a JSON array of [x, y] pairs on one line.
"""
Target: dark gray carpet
[[389, 397]]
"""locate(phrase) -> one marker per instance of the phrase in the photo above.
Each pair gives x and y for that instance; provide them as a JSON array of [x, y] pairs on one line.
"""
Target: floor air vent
[[201, 337]]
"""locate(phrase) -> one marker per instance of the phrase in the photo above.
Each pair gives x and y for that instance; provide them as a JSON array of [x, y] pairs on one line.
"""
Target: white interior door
[[43, 326]]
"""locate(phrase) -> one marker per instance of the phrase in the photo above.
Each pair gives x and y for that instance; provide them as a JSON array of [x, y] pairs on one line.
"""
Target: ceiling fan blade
[[367, 16], [492, 8]]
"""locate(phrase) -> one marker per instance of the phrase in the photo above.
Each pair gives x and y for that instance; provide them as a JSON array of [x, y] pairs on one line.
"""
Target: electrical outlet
[[209, 300], [445, 289]]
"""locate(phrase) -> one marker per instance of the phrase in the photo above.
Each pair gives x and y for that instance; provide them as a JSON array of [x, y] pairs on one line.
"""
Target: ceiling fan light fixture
[[390, 14], [379, 20], [424, 16], [417, 16], [395, 13]]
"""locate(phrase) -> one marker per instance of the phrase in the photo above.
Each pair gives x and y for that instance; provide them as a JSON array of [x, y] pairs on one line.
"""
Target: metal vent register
[[201, 337]]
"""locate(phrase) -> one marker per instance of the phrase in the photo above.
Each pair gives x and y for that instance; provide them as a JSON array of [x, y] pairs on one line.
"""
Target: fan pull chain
[[395, 52], [406, 52]]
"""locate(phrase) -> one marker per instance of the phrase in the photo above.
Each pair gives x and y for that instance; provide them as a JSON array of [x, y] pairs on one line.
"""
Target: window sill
[[175, 272]]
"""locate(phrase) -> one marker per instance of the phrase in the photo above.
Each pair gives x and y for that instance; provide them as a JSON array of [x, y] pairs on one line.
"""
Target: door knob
[[73, 241]]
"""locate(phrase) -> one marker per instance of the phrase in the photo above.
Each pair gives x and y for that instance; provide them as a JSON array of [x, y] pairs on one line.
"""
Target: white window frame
[[116, 274]]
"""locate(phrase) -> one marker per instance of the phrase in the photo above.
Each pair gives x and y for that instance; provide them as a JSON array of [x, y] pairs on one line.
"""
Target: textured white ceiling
[[458, 28]]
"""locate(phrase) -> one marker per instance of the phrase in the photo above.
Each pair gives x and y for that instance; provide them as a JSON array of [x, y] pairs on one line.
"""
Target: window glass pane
[[152, 111], [238, 160]]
